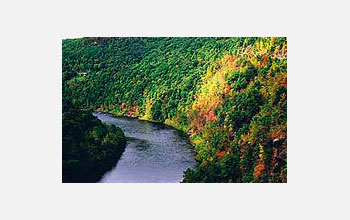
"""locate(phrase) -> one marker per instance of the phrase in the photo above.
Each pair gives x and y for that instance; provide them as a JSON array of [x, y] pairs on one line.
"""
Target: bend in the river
[[154, 152]]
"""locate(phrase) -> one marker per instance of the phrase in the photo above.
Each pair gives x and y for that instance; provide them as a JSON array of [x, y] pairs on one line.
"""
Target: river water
[[154, 153]]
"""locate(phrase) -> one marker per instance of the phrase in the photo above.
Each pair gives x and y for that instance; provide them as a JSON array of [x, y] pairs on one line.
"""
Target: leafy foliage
[[228, 94], [90, 148]]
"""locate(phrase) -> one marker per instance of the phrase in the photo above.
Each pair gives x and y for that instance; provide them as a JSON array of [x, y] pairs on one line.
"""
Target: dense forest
[[228, 94], [89, 147]]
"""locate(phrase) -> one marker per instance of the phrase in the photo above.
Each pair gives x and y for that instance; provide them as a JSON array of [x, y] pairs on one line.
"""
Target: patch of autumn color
[[265, 61], [231, 58], [281, 79], [244, 137], [196, 123], [220, 154], [277, 134], [132, 110], [208, 99], [284, 83], [210, 117], [229, 61], [275, 84], [264, 93], [260, 167], [280, 132], [284, 48], [148, 110], [123, 106], [258, 53], [280, 53], [227, 90]]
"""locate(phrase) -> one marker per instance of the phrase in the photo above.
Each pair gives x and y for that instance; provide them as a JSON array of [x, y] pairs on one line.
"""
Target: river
[[155, 153]]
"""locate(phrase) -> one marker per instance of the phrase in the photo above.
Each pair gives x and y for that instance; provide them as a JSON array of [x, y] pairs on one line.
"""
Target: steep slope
[[228, 94]]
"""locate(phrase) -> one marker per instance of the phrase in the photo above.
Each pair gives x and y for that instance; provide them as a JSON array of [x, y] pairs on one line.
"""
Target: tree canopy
[[228, 94]]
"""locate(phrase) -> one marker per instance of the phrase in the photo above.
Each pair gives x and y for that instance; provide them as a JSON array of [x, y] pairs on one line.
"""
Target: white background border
[[30, 89]]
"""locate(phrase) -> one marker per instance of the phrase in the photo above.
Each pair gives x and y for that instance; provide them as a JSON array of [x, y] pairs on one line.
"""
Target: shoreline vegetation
[[229, 95], [156, 122], [90, 148]]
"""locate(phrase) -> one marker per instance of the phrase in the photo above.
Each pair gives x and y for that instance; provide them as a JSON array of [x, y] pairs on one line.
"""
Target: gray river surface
[[155, 153]]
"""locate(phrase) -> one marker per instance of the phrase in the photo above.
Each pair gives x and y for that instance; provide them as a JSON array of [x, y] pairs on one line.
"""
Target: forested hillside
[[89, 147], [228, 94]]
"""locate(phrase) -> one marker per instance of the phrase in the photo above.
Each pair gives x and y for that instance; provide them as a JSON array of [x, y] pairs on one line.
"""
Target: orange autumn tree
[[228, 94]]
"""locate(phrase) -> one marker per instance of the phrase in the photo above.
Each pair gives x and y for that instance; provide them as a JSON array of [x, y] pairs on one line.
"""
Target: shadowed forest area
[[229, 95]]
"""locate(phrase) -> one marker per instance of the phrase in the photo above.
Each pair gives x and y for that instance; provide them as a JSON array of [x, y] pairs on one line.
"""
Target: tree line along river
[[154, 152]]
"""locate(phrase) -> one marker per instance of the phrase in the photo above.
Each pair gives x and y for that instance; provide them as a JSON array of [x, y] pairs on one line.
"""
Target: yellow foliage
[[209, 97], [175, 124], [261, 152], [148, 111], [259, 168], [197, 140]]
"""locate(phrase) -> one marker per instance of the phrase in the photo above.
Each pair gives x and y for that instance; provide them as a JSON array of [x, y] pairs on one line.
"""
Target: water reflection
[[154, 152]]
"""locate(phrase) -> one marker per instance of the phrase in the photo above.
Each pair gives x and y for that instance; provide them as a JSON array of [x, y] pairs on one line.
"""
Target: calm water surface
[[154, 152]]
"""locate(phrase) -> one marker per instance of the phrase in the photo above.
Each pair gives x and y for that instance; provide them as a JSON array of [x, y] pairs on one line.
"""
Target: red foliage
[[265, 61], [220, 154], [199, 125], [280, 132], [227, 90], [132, 110], [284, 83], [277, 134], [259, 168], [231, 58], [210, 116]]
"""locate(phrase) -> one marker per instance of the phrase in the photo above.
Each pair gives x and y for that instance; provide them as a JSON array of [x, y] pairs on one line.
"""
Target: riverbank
[[155, 152], [167, 122], [89, 147], [228, 94]]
